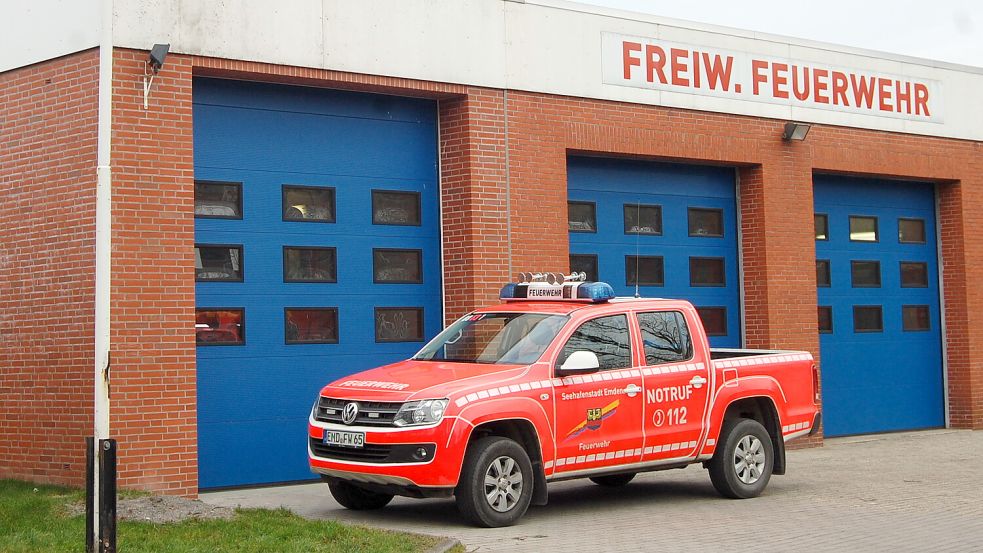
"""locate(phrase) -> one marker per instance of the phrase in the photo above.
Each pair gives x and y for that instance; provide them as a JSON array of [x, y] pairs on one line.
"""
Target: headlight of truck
[[415, 413]]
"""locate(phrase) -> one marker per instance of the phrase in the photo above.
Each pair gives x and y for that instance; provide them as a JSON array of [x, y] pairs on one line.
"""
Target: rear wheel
[[742, 464], [613, 480], [496, 482], [357, 499]]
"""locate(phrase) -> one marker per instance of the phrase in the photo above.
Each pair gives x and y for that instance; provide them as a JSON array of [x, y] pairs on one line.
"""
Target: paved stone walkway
[[914, 491]]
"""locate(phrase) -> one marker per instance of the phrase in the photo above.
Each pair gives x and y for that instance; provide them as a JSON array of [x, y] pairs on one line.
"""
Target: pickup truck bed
[[730, 353]]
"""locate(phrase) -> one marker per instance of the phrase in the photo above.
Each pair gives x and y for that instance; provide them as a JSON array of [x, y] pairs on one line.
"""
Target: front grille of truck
[[375, 453], [370, 453], [370, 413]]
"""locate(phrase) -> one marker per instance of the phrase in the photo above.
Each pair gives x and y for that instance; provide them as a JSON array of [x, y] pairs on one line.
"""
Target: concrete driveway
[[914, 491]]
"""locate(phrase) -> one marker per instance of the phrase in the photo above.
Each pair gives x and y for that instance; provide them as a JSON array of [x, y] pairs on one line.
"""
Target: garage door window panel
[[863, 228], [397, 266], [643, 219], [582, 216], [707, 271], [865, 274], [825, 319], [309, 264], [714, 320], [584, 263], [220, 326], [310, 325], [645, 270], [606, 337], [911, 231], [914, 274], [218, 200], [395, 207], [821, 222], [915, 318], [311, 204], [868, 318], [398, 324], [705, 222], [823, 276], [218, 263]]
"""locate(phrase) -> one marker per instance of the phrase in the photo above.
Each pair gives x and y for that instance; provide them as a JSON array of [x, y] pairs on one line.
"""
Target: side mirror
[[580, 362]]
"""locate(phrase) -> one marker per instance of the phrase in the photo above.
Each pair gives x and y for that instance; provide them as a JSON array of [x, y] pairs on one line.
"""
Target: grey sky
[[947, 30]]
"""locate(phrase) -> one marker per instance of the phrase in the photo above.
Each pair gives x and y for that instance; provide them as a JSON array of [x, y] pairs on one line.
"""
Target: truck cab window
[[666, 337], [606, 337]]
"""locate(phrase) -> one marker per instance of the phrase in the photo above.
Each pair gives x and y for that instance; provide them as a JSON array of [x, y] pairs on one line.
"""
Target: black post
[[107, 496], [90, 546]]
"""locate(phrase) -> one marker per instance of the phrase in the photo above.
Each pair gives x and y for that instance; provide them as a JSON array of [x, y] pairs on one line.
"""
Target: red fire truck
[[560, 381]]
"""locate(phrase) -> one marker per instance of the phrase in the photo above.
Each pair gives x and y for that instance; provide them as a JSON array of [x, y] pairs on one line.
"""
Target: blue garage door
[[317, 256], [879, 313], [670, 228]]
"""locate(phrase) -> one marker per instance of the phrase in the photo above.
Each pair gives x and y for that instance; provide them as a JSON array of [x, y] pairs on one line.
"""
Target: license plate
[[344, 439]]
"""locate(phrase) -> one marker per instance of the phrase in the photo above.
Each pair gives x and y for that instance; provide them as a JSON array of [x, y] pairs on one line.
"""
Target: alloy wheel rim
[[503, 484], [749, 459]]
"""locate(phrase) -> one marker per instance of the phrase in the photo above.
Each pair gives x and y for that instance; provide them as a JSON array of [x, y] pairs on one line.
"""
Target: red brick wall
[[503, 166], [154, 403], [47, 266], [775, 186], [774, 181]]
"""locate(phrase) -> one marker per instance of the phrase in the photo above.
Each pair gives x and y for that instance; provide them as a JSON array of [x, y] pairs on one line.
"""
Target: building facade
[[316, 189]]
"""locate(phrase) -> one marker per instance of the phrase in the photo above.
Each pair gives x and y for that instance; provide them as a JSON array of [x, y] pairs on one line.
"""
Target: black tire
[[731, 473], [472, 500], [357, 499], [613, 480]]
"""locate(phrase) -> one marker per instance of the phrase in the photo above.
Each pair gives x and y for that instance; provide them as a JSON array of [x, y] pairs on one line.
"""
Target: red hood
[[400, 381]]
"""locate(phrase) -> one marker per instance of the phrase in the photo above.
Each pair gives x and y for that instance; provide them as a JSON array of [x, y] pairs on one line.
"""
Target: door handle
[[698, 382]]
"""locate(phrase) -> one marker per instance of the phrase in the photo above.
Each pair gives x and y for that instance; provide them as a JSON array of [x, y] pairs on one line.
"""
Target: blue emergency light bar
[[592, 292]]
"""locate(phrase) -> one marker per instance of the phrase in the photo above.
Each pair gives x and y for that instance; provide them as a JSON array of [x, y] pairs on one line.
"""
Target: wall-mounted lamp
[[154, 63], [795, 131]]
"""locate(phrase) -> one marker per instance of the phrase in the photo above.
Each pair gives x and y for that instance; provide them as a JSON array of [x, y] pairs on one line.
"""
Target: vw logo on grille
[[350, 412]]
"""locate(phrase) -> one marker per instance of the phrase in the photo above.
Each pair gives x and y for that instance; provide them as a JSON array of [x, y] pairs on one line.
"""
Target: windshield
[[503, 338]]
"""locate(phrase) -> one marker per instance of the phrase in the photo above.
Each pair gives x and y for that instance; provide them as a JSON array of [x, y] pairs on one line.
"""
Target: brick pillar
[[778, 249], [154, 409], [473, 199], [962, 270], [538, 143]]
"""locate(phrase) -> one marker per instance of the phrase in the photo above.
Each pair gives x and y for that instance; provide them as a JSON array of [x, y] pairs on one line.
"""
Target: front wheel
[[741, 466], [496, 482], [357, 499]]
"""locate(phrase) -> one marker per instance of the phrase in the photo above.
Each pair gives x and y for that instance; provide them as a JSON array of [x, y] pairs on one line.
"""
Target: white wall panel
[[549, 46], [287, 32], [459, 41], [38, 30]]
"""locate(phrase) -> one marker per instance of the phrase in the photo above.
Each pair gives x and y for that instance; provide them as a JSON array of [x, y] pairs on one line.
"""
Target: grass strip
[[33, 518]]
